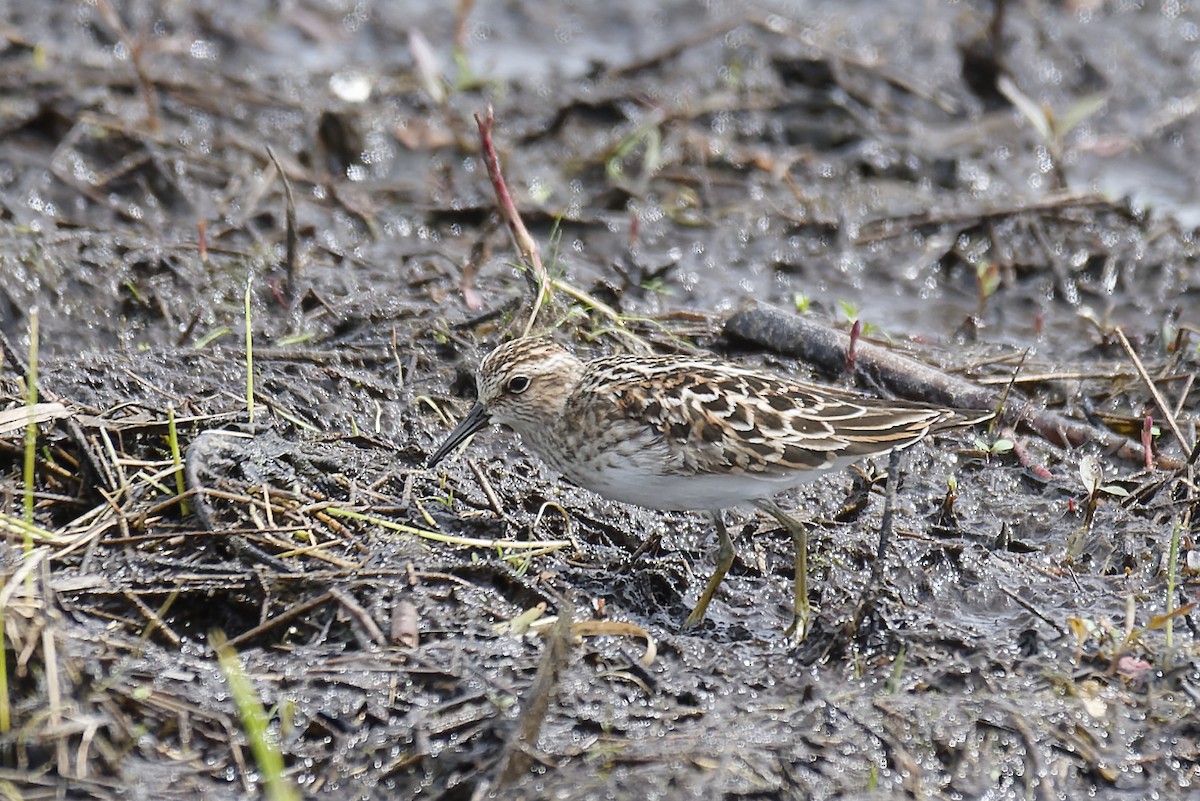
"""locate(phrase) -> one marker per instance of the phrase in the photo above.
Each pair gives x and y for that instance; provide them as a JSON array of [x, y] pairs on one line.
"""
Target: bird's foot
[[801, 624]]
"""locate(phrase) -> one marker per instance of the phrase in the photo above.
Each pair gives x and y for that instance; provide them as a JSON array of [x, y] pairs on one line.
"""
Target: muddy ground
[[992, 197]]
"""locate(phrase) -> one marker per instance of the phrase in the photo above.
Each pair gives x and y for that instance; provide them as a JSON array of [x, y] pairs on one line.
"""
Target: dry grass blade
[[1163, 406], [15, 419]]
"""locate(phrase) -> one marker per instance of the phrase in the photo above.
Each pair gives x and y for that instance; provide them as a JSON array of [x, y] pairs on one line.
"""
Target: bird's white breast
[[643, 471]]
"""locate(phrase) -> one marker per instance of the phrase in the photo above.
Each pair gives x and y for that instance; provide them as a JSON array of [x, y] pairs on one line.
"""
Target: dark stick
[[293, 272], [517, 757], [866, 604]]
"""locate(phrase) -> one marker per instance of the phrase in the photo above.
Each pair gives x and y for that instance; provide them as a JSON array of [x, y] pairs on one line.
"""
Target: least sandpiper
[[685, 433]]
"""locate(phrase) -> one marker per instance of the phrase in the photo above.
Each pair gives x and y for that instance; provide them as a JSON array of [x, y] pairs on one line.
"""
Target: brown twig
[[517, 759], [1027, 459], [826, 348], [1148, 440], [486, 486], [356, 611], [280, 619], [1029, 607], [892, 227], [202, 240]]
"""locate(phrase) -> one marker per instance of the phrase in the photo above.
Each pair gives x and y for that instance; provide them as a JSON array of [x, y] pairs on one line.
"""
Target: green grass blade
[[254, 720]]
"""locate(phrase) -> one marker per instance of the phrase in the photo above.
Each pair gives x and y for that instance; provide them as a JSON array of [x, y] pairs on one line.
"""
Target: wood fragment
[[405, 630]]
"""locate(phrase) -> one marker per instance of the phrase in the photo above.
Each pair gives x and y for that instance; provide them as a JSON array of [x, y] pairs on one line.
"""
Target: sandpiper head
[[522, 384]]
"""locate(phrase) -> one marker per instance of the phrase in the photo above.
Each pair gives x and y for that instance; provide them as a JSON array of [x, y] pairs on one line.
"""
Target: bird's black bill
[[476, 419]]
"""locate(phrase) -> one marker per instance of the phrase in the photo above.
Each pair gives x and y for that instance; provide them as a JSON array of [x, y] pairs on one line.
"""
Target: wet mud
[[191, 193]]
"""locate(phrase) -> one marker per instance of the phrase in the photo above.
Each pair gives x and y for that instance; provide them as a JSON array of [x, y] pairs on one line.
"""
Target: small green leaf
[[988, 275], [1091, 472], [1037, 115], [1080, 111]]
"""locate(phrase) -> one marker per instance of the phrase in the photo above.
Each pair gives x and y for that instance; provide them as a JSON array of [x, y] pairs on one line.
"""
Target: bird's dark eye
[[518, 384]]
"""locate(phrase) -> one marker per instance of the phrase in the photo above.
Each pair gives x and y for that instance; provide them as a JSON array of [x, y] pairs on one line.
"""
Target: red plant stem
[[202, 239], [852, 350], [1148, 440], [508, 210], [1027, 460]]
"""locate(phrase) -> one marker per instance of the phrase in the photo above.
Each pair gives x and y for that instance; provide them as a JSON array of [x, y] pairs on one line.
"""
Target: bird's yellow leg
[[802, 611], [724, 561]]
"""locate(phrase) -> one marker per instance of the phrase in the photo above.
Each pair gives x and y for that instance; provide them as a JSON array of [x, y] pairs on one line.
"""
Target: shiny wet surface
[[672, 163]]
